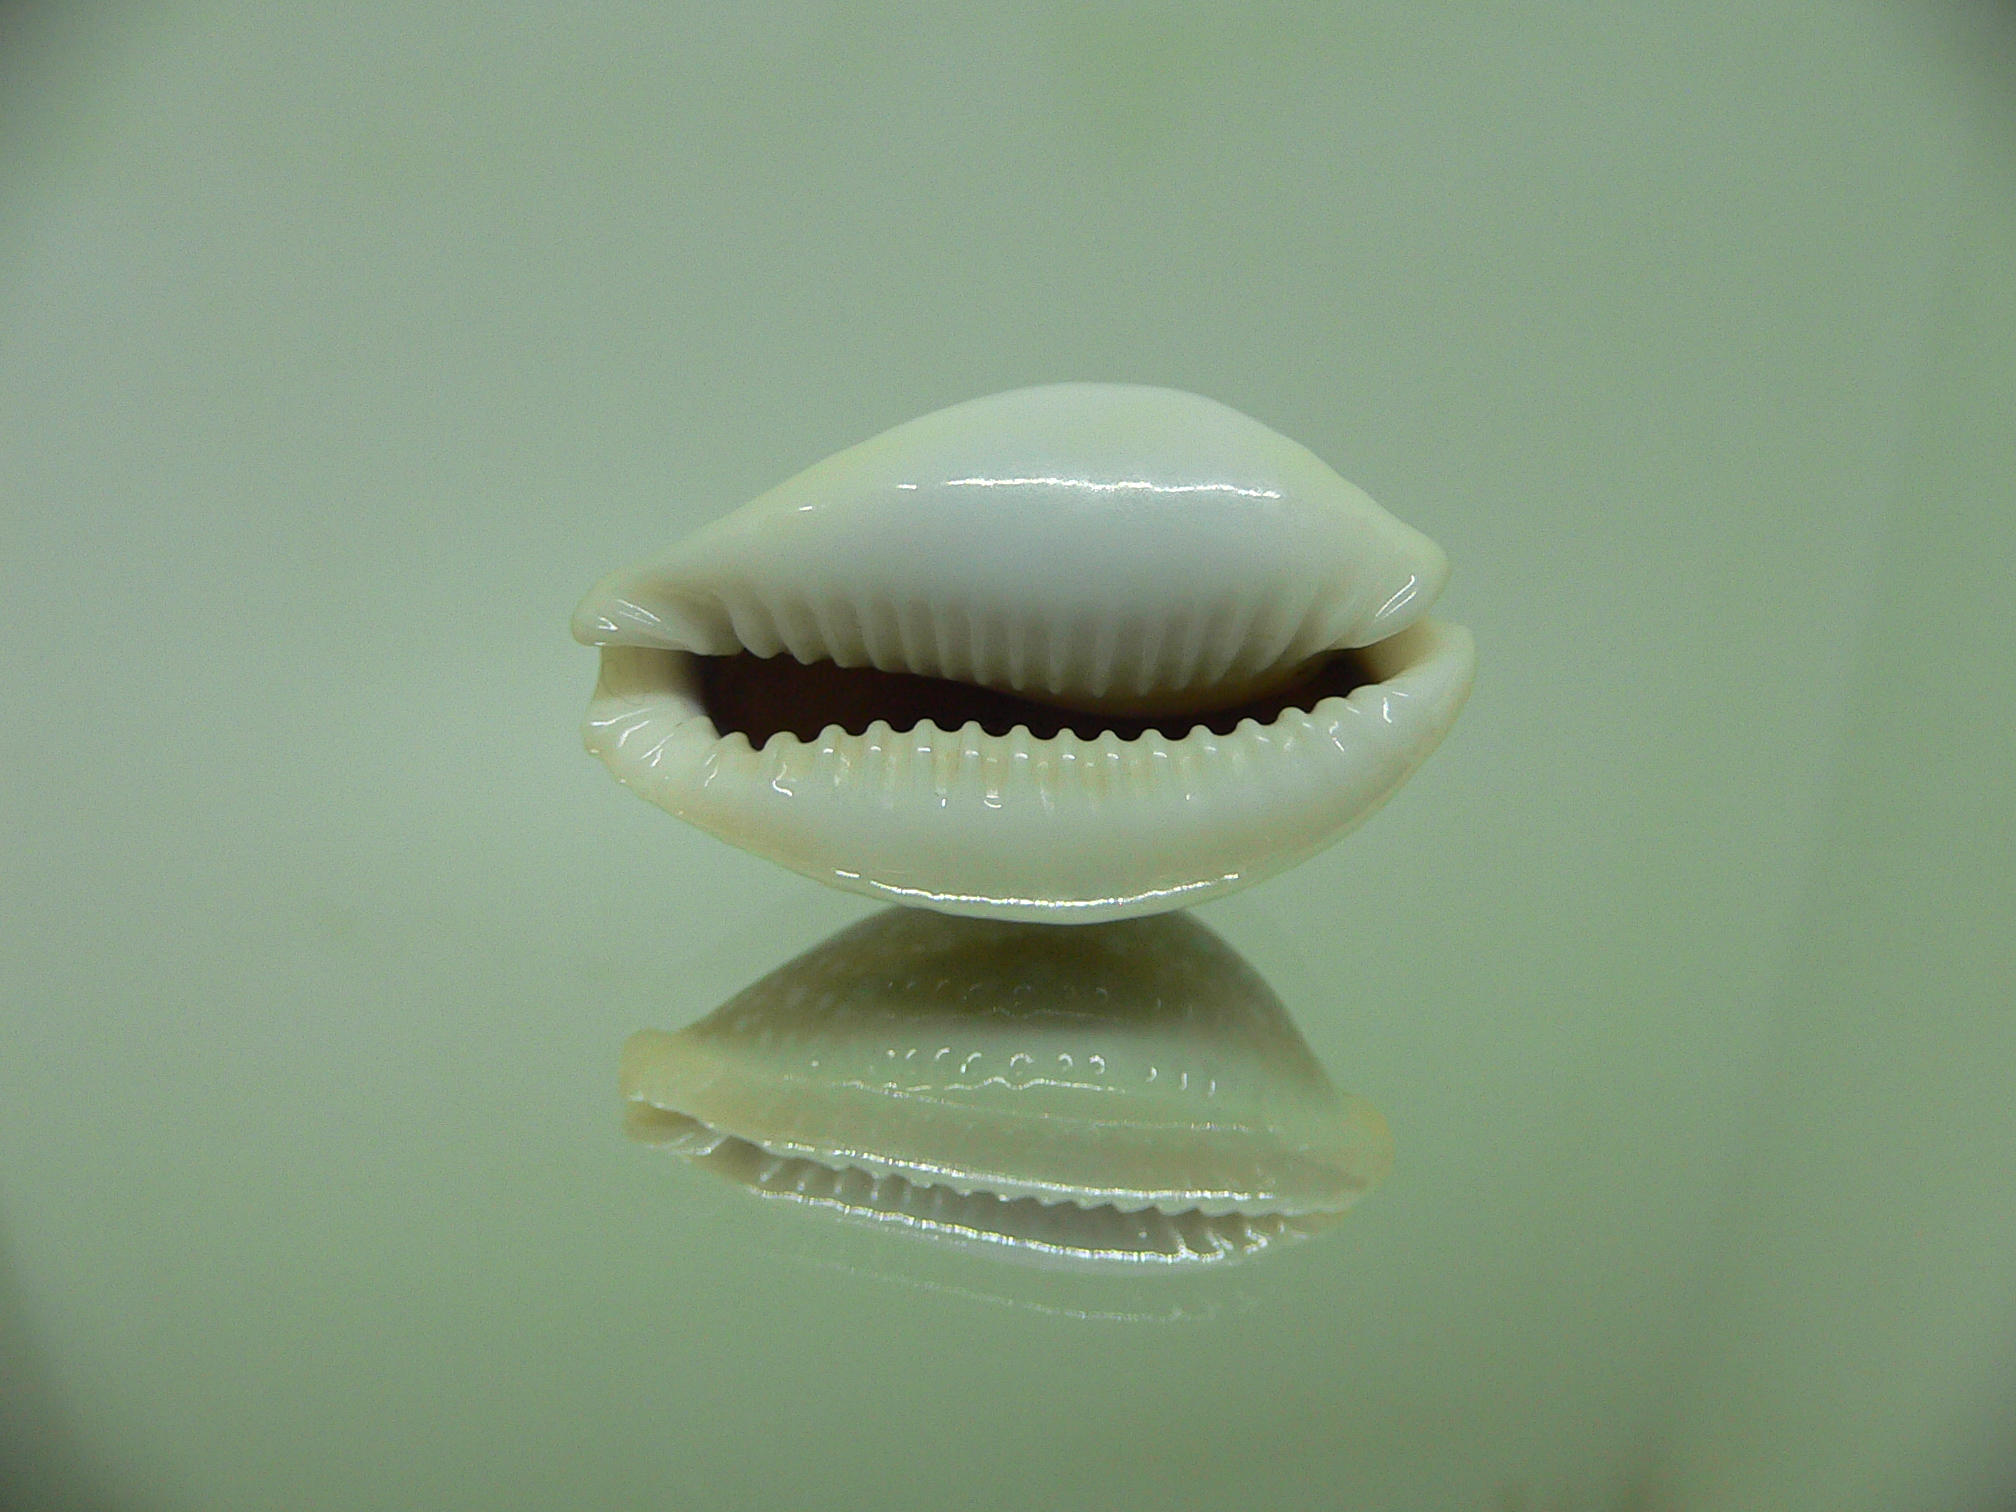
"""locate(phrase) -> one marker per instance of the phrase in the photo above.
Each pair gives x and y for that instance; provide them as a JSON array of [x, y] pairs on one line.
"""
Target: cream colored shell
[[1127, 1093], [1126, 550]]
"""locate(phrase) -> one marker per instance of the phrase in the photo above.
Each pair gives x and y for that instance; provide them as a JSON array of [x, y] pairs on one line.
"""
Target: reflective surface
[[340, 348], [1118, 1096]]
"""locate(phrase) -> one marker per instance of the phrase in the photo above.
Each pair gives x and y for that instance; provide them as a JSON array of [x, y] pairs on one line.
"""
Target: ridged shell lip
[[1133, 553], [1061, 1232], [1064, 830]]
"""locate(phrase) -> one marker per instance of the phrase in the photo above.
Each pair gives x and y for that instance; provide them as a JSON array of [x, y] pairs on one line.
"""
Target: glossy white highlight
[[1135, 485], [1125, 550]]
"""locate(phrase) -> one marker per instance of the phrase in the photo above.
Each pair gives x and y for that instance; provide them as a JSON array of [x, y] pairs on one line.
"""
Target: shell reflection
[[1123, 1095]]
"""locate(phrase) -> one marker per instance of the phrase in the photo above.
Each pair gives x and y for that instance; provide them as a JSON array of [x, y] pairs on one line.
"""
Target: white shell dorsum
[[1124, 1095], [1068, 653]]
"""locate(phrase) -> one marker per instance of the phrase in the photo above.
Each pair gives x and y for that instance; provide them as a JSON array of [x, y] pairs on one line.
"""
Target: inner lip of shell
[[1103, 1234], [763, 696]]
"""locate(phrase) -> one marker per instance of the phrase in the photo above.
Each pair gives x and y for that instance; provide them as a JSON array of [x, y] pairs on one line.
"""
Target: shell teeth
[[968, 764], [1104, 1234], [1013, 644], [750, 619], [947, 647], [803, 635], [913, 634], [1105, 655], [1139, 649], [1067, 1230], [1111, 658], [1242, 658]]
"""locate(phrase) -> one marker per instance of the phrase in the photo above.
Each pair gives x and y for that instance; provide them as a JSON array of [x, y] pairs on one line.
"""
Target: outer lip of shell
[[1058, 1235], [1063, 830], [1139, 1068]]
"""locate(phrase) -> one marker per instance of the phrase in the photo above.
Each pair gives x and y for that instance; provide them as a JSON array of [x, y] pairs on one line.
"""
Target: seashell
[[1068, 653], [1126, 1094]]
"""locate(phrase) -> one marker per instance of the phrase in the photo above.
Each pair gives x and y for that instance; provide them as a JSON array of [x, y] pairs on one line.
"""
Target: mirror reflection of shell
[[1123, 1094]]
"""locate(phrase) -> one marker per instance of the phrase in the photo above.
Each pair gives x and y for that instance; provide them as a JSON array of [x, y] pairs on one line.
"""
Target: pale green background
[[342, 347]]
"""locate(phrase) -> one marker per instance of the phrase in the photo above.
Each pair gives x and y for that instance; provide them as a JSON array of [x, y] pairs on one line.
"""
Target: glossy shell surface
[[1125, 552]]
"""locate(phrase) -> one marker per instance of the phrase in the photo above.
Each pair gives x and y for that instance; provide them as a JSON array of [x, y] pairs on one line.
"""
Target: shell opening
[[763, 696], [1210, 653]]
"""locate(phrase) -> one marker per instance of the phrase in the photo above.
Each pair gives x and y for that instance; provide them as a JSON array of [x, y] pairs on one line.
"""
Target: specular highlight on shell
[[1126, 1095], [1068, 653]]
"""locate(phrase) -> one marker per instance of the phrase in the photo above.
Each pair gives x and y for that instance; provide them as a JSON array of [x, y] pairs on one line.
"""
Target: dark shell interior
[[761, 696]]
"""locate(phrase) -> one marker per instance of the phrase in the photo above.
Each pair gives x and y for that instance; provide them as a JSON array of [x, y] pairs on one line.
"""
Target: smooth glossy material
[[1123, 1095], [1126, 550]]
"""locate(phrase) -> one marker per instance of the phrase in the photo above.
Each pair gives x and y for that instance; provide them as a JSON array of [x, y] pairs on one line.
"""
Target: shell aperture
[[1068, 653]]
